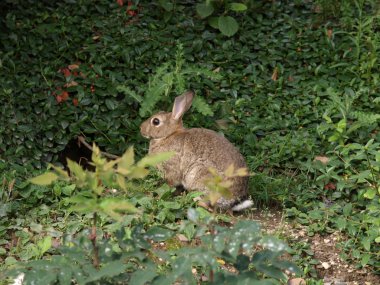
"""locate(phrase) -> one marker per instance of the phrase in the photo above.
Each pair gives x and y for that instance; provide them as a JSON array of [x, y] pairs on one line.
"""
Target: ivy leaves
[[226, 24]]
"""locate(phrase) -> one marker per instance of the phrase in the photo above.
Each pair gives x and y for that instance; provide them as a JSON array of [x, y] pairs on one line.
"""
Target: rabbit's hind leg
[[195, 177]]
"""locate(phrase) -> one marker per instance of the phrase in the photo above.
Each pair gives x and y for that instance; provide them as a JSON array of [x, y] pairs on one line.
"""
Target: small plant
[[348, 121], [171, 77], [107, 174], [219, 184], [225, 23], [92, 198], [354, 173], [228, 255], [129, 256]]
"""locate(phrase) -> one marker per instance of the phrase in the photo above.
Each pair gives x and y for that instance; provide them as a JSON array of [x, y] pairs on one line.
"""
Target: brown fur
[[196, 151]]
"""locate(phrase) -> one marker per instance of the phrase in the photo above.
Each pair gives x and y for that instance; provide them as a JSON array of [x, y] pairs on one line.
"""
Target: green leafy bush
[[129, 257], [92, 83], [284, 83]]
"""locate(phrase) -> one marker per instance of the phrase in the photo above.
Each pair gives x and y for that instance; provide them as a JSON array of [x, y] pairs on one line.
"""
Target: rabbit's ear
[[182, 104]]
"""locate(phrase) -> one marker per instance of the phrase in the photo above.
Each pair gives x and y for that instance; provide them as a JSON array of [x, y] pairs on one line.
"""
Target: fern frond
[[201, 71], [365, 118], [202, 107], [175, 75], [152, 96], [129, 92]]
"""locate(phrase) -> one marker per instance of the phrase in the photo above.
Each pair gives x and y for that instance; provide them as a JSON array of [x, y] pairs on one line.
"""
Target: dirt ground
[[331, 268]]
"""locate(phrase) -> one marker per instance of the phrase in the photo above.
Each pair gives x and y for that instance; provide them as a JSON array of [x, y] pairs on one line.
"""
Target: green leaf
[[154, 159], [110, 269], [365, 259], [127, 160], [287, 265], [143, 275], [158, 234], [64, 124], [69, 189], [341, 223], [193, 215], [98, 69], [334, 137], [114, 207], [204, 10], [44, 245], [366, 242], [271, 271], [238, 7], [214, 22], [65, 276], [341, 126], [273, 244], [362, 176], [167, 5], [120, 179], [3, 251], [347, 209], [44, 179], [370, 193], [77, 171], [228, 25], [111, 104], [62, 173], [138, 173]]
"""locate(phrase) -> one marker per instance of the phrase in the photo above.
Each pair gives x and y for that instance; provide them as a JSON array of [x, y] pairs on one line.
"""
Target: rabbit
[[196, 150]]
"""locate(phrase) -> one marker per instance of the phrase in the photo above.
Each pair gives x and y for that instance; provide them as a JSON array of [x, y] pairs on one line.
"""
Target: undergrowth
[[296, 88]]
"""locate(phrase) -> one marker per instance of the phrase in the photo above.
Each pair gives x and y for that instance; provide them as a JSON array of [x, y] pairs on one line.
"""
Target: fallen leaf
[[323, 159], [66, 72], [325, 265], [329, 33], [182, 238], [65, 95], [275, 74], [70, 84], [202, 204], [296, 281], [73, 66], [329, 186]]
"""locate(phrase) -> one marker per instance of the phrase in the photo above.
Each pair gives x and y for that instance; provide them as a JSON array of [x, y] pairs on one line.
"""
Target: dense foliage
[[295, 87]]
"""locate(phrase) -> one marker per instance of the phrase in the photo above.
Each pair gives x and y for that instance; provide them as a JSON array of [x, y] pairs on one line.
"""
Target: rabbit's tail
[[243, 205]]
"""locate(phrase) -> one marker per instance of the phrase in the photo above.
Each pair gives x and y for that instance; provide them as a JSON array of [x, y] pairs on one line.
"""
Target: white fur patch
[[19, 280], [242, 206]]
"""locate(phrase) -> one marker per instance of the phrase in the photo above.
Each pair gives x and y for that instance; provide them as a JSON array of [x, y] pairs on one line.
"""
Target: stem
[[211, 278], [95, 257], [374, 180], [82, 140]]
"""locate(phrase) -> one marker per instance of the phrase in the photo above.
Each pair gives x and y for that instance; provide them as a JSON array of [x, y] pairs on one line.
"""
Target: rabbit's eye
[[156, 121]]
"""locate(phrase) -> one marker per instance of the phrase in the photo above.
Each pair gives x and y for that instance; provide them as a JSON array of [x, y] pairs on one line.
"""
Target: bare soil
[[331, 267]]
